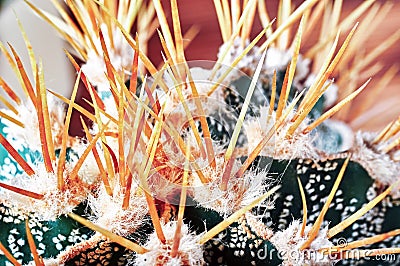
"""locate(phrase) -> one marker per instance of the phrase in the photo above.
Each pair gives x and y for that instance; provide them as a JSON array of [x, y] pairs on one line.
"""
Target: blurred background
[[45, 42], [59, 74]]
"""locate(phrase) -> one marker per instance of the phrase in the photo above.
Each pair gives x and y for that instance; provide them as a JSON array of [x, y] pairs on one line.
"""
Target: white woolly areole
[[396, 155], [111, 140], [47, 262], [30, 133], [54, 202], [89, 171], [298, 146], [109, 214], [248, 62], [121, 57], [190, 252], [111, 109], [379, 165], [173, 105], [240, 192], [288, 243], [275, 59]]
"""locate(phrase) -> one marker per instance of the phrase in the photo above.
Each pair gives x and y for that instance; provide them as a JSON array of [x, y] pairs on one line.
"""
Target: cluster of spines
[[116, 169]]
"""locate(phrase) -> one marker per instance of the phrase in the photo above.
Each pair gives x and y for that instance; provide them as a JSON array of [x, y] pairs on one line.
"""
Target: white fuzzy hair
[[46, 262], [54, 202], [109, 214], [379, 165], [279, 147], [89, 171], [173, 106], [30, 133], [288, 243], [121, 57], [276, 59], [240, 192], [190, 252]]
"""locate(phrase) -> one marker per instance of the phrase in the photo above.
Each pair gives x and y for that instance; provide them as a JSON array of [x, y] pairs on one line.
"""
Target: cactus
[[236, 163]]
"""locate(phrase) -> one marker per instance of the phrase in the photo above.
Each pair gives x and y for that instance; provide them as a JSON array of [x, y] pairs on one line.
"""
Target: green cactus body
[[51, 237]]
